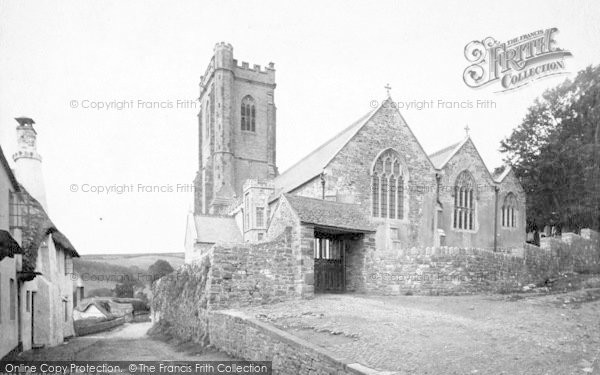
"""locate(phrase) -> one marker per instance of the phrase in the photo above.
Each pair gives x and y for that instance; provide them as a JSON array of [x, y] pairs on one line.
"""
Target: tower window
[[260, 217], [248, 114], [464, 205]]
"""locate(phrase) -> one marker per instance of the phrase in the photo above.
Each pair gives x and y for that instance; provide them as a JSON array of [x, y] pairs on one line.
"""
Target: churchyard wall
[[453, 270]]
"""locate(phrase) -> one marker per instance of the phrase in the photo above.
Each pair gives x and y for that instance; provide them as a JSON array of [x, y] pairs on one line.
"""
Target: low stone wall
[[227, 276], [82, 330], [180, 300], [253, 274], [243, 337], [448, 270]]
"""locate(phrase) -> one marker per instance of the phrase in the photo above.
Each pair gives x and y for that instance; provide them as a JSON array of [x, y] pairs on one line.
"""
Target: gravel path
[[450, 335]]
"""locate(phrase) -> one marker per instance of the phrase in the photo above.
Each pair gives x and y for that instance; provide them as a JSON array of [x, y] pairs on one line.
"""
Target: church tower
[[28, 163], [236, 128]]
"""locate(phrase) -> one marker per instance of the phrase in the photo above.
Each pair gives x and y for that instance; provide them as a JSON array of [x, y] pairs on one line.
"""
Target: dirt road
[[127, 342]]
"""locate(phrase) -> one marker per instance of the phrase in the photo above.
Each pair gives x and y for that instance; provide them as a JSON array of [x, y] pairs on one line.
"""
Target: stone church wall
[[511, 237], [348, 177], [482, 235]]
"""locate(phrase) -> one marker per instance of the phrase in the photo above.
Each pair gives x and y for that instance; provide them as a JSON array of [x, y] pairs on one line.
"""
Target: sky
[[332, 61]]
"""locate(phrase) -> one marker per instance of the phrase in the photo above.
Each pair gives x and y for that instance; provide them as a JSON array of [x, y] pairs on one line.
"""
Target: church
[[373, 179]]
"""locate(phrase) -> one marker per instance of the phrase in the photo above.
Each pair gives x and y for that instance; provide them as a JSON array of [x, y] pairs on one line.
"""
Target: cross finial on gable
[[387, 88], [467, 129]]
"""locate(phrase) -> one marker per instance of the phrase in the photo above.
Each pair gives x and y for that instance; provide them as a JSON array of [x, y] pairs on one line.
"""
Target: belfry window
[[248, 114], [509, 211], [464, 202], [387, 186]]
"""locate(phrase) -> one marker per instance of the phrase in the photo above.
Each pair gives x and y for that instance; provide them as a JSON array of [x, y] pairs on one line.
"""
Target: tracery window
[[509, 211], [464, 202], [387, 186]]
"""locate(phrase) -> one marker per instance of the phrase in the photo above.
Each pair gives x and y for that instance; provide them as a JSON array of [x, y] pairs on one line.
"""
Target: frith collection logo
[[515, 63]]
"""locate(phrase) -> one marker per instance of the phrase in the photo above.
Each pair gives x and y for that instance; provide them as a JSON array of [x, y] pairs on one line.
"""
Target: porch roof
[[330, 214], [8, 246]]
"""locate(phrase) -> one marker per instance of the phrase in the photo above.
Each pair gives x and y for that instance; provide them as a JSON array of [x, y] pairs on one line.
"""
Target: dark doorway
[[330, 267]]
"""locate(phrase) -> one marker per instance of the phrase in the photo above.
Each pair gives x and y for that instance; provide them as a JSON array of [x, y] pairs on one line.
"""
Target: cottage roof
[[9, 172], [38, 226], [330, 214], [102, 306], [62, 242], [213, 229]]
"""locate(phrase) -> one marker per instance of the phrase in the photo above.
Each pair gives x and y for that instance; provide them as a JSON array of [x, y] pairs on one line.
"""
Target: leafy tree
[[159, 269], [125, 288], [555, 152]]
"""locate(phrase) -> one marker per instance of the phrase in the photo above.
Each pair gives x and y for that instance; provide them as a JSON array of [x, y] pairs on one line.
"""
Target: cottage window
[[28, 301], [464, 203], [248, 114], [17, 211], [387, 186], [509, 210]]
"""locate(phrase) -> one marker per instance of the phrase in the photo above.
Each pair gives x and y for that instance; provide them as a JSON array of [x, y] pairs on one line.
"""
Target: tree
[[125, 288], [555, 152], [159, 269]]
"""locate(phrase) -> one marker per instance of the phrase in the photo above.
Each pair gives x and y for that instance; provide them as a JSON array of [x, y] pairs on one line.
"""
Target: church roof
[[213, 229], [312, 164], [441, 157], [330, 214]]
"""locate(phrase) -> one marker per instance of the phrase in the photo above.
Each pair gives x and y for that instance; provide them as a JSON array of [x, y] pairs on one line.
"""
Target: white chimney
[[28, 163]]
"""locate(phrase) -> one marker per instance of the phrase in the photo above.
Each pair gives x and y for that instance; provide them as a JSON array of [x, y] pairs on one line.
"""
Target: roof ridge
[[287, 195], [445, 149]]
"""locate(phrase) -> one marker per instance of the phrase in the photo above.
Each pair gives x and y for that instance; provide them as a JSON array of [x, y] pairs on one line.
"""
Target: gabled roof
[[213, 229], [312, 164], [330, 214], [441, 157], [502, 172]]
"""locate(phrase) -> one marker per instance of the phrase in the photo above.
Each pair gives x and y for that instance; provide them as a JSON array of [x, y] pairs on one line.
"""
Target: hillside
[[104, 271]]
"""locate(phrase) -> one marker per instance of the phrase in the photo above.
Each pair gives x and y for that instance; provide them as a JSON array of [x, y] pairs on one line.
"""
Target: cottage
[[42, 286], [10, 261]]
